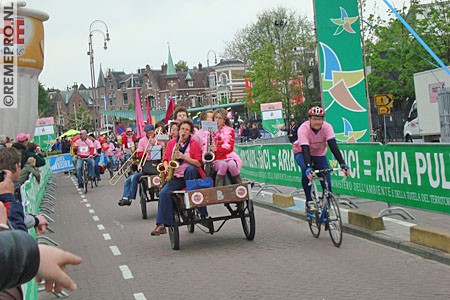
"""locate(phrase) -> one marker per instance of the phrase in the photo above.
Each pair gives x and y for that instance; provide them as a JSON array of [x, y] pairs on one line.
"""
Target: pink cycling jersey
[[317, 142]]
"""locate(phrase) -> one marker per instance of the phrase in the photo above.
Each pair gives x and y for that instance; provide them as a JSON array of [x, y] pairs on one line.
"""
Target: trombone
[[125, 168], [147, 150]]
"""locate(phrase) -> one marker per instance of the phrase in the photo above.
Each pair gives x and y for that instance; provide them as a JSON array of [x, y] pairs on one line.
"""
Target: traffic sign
[[384, 100], [384, 110]]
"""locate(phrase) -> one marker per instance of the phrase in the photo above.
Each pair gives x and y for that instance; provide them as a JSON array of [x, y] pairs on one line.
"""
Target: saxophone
[[173, 164], [208, 156]]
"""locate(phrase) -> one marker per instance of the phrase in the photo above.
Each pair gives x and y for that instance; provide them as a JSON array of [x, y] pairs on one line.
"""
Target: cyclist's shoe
[[123, 202], [310, 207], [80, 185]]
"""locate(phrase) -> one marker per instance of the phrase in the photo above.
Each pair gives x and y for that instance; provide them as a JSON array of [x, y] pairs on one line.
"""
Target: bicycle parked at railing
[[326, 210]]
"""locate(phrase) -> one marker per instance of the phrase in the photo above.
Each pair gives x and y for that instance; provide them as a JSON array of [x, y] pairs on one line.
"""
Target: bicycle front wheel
[[334, 220]]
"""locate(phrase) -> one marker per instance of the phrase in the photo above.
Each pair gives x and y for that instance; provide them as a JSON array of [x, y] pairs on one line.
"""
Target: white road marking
[[100, 227], [83, 196], [139, 296], [106, 236], [126, 272], [88, 205], [115, 250], [91, 211], [80, 192], [95, 218]]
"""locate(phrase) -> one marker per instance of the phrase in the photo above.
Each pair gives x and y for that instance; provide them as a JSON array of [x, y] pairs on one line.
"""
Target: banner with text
[[410, 175]]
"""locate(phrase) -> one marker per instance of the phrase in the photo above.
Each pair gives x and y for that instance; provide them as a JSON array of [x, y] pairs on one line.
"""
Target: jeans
[[165, 203], [90, 163], [96, 166], [131, 185], [317, 162], [111, 165]]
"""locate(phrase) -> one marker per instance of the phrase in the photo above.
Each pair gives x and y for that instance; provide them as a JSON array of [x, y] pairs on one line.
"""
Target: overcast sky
[[140, 30]]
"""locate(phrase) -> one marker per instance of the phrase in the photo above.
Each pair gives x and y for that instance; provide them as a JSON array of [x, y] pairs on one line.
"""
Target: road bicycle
[[326, 209], [85, 176]]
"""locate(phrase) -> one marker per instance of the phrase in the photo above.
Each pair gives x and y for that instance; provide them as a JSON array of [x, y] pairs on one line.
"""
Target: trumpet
[[125, 168]]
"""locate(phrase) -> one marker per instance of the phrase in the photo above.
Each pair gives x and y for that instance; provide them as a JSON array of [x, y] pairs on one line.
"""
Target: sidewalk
[[397, 229]]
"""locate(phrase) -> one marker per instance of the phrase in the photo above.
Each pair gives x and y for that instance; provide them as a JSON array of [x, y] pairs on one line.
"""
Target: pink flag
[[139, 117], [149, 115]]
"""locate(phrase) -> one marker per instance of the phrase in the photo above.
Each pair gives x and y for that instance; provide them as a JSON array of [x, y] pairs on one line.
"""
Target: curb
[[373, 236]]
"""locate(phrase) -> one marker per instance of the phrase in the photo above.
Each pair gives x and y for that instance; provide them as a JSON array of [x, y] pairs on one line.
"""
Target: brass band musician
[[225, 159], [187, 154]]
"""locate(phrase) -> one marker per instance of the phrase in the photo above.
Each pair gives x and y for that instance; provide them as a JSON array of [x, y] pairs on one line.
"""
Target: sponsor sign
[[61, 163]]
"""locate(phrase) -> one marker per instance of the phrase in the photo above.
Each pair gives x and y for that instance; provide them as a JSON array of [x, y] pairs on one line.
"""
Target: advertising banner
[[61, 163], [272, 117], [44, 133], [409, 175], [341, 69]]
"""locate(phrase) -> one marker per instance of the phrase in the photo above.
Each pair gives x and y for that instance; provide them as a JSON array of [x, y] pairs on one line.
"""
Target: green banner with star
[[342, 69]]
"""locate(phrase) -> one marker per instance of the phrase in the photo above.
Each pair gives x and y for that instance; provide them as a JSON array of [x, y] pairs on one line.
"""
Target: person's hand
[[309, 173], [345, 169], [179, 155], [52, 268], [7, 186], [3, 218], [43, 223]]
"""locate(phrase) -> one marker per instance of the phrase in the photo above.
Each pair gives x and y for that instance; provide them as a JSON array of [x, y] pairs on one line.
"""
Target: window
[[190, 83], [223, 79], [149, 85], [212, 80], [153, 102], [200, 100], [125, 98]]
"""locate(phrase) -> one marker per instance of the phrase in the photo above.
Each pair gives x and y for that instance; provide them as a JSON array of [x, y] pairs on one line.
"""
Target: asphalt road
[[122, 261]]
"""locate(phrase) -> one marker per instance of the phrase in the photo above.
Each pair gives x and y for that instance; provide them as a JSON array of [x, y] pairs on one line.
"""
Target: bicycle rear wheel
[[334, 220]]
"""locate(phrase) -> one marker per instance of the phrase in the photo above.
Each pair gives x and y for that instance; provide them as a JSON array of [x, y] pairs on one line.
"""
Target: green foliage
[[45, 106], [395, 55], [181, 65], [276, 55], [83, 120]]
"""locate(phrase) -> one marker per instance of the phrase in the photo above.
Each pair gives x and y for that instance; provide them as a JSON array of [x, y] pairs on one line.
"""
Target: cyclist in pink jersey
[[314, 136], [85, 151]]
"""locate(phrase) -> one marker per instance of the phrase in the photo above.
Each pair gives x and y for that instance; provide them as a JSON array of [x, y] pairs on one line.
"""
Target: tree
[[181, 65], [45, 106], [394, 55], [83, 120], [278, 50]]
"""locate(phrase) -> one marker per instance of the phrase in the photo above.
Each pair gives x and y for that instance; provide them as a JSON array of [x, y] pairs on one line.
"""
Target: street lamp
[[209, 79], [90, 52], [281, 24]]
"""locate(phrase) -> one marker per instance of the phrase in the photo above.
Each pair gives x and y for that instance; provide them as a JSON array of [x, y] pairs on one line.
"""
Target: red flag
[[139, 117], [169, 111], [149, 115]]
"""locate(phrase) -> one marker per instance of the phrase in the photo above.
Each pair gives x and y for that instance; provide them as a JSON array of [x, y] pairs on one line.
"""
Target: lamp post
[[209, 79], [90, 52], [281, 24]]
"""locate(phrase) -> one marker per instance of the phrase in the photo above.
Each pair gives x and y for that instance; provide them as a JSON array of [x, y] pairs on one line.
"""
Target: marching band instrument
[[173, 164], [125, 168], [208, 156], [144, 156]]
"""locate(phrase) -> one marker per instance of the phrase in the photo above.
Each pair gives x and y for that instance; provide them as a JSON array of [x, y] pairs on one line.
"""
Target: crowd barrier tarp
[[415, 175], [32, 194]]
